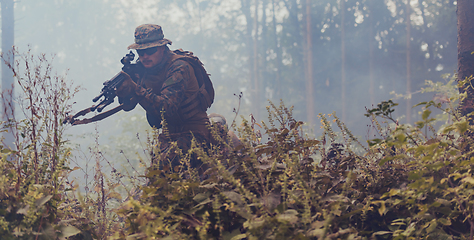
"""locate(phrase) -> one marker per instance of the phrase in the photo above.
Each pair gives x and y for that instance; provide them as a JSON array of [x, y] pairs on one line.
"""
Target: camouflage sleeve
[[172, 93]]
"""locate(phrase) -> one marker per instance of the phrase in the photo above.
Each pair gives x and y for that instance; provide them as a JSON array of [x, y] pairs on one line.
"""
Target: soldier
[[174, 83], [223, 129]]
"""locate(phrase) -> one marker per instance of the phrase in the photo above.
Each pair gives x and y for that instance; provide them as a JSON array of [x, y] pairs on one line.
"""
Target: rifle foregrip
[[104, 104], [98, 97], [116, 81]]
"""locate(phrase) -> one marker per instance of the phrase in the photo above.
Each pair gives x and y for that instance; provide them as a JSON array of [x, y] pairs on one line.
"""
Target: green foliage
[[271, 190], [384, 108], [435, 200], [407, 185], [33, 173], [410, 182], [37, 198]]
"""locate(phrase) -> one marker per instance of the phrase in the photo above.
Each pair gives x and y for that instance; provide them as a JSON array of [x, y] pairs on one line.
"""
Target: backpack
[[205, 94]]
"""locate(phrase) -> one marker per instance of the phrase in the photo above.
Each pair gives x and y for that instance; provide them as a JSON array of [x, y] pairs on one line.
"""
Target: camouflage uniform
[[168, 86]]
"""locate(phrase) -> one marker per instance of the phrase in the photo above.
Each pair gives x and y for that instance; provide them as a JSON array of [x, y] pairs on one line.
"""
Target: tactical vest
[[199, 101]]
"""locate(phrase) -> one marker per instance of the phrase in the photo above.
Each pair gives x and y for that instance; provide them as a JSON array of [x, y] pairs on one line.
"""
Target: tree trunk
[[309, 67], [371, 54], [465, 10], [343, 61], [245, 8], [8, 23], [295, 30], [278, 60], [408, 28], [256, 103]]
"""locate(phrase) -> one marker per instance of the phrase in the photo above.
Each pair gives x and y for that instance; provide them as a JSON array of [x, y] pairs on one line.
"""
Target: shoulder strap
[[97, 117]]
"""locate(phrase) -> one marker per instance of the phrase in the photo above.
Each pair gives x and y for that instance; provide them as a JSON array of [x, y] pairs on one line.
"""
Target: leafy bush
[[33, 173], [412, 182], [37, 199], [408, 182]]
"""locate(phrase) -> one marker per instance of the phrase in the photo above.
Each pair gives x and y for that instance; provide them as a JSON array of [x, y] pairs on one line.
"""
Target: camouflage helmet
[[147, 36], [217, 118]]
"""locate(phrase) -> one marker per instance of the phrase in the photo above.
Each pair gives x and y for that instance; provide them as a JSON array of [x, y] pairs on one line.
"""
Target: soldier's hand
[[128, 103], [128, 87]]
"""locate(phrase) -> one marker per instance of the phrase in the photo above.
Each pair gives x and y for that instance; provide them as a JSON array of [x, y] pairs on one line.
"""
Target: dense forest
[[317, 55], [352, 120]]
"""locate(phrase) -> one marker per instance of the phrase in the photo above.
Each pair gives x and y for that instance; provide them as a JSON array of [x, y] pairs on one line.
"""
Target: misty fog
[[257, 47]]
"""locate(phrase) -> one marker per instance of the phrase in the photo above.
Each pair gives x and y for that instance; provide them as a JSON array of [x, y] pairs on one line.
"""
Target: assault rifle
[[107, 94]]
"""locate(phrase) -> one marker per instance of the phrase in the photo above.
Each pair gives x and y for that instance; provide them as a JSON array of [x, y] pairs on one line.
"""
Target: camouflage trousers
[[175, 146]]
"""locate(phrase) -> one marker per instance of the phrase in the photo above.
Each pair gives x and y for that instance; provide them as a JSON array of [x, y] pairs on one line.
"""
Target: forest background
[[302, 178], [317, 55]]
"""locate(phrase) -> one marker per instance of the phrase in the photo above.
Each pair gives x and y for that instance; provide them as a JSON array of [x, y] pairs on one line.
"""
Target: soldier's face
[[149, 57]]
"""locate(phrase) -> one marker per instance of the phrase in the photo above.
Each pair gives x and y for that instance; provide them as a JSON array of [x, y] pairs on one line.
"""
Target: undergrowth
[[405, 182]]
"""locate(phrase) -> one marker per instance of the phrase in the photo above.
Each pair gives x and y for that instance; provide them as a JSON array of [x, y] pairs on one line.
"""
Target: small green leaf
[[6, 150], [448, 129], [420, 124], [384, 160], [68, 231], [206, 201], [317, 233], [373, 142], [23, 210], [271, 201], [382, 233], [238, 237], [443, 180], [468, 180], [254, 223], [426, 114], [414, 175], [462, 126], [233, 196], [453, 152], [432, 226], [401, 138], [444, 221], [230, 235], [43, 200], [289, 215], [382, 209], [393, 192], [201, 197], [17, 232], [115, 195], [398, 222], [421, 103], [310, 143]]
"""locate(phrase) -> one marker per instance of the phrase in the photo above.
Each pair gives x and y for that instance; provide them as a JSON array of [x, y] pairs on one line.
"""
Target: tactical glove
[[127, 88], [126, 93]]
